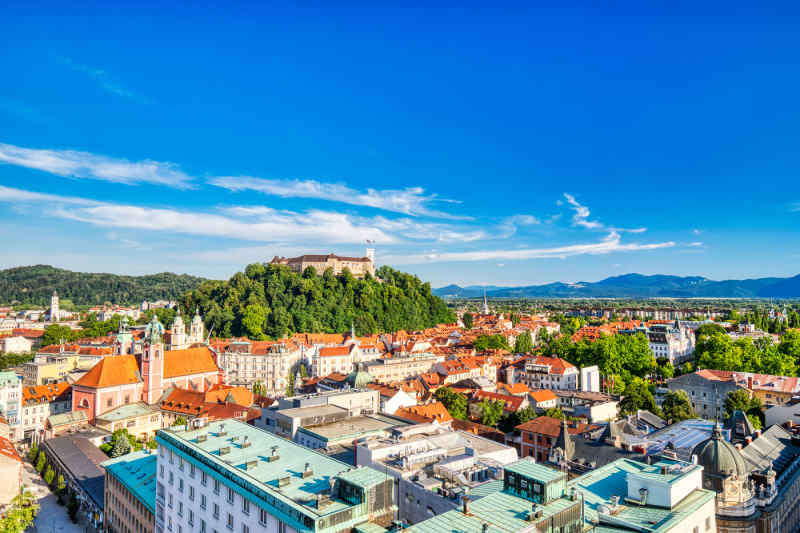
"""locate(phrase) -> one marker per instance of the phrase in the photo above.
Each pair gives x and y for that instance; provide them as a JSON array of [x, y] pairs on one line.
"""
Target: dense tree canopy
[[491, 342], [677, 406], [524, 343], [638, 396], [34, 285], [740, 400], [454, 402], [718, 351], [271, 301]]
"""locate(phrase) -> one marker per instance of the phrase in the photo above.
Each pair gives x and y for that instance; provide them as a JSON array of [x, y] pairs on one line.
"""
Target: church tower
[[153, 362], [55, 312], [485, 303], [178, 340], [196, 331]]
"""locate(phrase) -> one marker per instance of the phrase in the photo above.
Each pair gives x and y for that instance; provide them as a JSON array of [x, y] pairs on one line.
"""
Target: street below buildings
[[52, 517]]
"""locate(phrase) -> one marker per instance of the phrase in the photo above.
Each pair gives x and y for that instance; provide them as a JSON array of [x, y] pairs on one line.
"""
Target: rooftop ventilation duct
[[307, 471]]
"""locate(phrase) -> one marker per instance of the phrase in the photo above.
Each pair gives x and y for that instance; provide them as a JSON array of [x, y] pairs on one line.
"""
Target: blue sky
[[495, 143]]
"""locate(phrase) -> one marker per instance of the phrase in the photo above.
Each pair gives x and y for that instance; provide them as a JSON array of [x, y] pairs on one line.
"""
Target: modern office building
[[230, 476]]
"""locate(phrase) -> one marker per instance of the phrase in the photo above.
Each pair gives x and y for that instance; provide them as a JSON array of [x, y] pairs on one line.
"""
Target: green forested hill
[[271, 301], [35, 284]]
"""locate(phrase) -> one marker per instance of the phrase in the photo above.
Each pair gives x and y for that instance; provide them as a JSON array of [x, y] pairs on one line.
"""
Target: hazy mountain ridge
[[640, 286]]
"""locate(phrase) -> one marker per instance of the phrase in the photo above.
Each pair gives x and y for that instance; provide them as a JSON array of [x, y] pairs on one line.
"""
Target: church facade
[[144, 373]]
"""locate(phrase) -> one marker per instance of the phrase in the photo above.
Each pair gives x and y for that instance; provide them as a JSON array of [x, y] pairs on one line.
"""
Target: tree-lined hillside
[[33, 285], [272, 301]]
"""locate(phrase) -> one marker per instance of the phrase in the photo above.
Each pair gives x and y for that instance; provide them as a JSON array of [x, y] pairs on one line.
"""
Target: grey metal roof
[[82, 460]]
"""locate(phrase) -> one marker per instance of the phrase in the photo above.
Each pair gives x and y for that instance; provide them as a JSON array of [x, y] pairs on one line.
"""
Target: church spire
[[485, 303]]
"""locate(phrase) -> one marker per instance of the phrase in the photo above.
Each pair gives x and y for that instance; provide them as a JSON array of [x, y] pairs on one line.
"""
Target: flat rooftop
[[126, 411], [312, 410], [260, 472], [598, 486], [352, 427], [137, 472]]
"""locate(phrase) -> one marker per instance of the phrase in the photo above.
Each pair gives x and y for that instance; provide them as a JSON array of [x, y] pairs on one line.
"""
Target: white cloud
[[249, 224], [581, 216], [75, 164], [612, 243], [696, 244], [410, 201], [103, 79], [697, 231]]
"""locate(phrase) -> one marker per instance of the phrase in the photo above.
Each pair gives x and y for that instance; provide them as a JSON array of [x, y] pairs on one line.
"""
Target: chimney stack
[[465, 500], [748, 439], [750, 382], [757, 434], [739, 446]]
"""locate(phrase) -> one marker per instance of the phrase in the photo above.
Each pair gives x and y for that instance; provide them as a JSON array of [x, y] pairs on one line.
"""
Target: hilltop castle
[[358, 266]]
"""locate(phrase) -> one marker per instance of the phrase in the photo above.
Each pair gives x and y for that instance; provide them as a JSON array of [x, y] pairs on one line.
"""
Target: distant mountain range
[[638, 286]]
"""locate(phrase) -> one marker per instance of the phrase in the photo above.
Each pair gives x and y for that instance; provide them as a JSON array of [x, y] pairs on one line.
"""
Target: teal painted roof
[[124, 412], [484, 489], [530, 469], [9, 378], [67, 418], [137, 472], [264, 474], [599, 485], [504, 513], [363, 477]]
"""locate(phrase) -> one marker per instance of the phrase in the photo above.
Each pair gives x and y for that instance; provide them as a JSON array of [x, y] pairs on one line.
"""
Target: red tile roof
[[7, 450], [543, 395], [545, 425], [330, 351], [111, 371], [45, 393], [425, 413], [188, 362], [511, 403]]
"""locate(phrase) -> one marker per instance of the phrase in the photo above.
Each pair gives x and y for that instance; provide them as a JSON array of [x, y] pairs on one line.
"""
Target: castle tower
[[153, 362], [196, 329], [55, 312], [178, 340]]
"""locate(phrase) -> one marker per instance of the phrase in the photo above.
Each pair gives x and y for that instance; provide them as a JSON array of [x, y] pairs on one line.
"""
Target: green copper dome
[[358, 378], [718, 457]]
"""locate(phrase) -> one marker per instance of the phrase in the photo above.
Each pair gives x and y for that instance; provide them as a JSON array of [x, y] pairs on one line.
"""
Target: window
[[191, 493], [245, 529], [180, 509], [169, 523], [216, 486], [696, 529], [169, 502], [216, 510], [161, 470], [203, 478], [180, 485], [191, 470], [230, 495], [108, 402], [171, 478], [202, 526], [262, 517], [230, 522], [202, 501], [180, 463], [245, 506], [191, 518]]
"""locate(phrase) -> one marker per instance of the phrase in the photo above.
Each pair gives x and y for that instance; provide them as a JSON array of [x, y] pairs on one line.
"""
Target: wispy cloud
[[696, 231], [795, 207], [248, 224], [509, 226], [610, 244], [580, 218], [696, 244], [410, 201], [76, 164], [104, 79]]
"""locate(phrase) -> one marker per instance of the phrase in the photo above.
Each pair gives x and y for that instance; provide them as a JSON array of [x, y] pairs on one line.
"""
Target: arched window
[[84, 403]]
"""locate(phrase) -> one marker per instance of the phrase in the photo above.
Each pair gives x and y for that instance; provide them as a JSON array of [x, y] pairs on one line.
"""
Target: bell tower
[[178, 339], [153, 362], [196, 331]]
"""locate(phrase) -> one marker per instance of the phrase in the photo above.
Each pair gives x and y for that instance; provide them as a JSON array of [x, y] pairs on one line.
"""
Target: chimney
[[739, 446], [750, 382], [789, 424], [485, 528], [307, 472], [757, 434], [465, 501], [748, 439]]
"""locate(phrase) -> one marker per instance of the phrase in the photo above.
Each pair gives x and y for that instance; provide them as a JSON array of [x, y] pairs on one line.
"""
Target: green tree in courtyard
[[638, 396], [677, 407], [466, 318], [491, 412], [524, 343], [40, 464], [555, 412], [454, 402], [49, 475]]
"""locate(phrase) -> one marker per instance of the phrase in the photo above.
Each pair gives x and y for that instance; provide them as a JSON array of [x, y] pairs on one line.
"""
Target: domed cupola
[[720, 461]]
